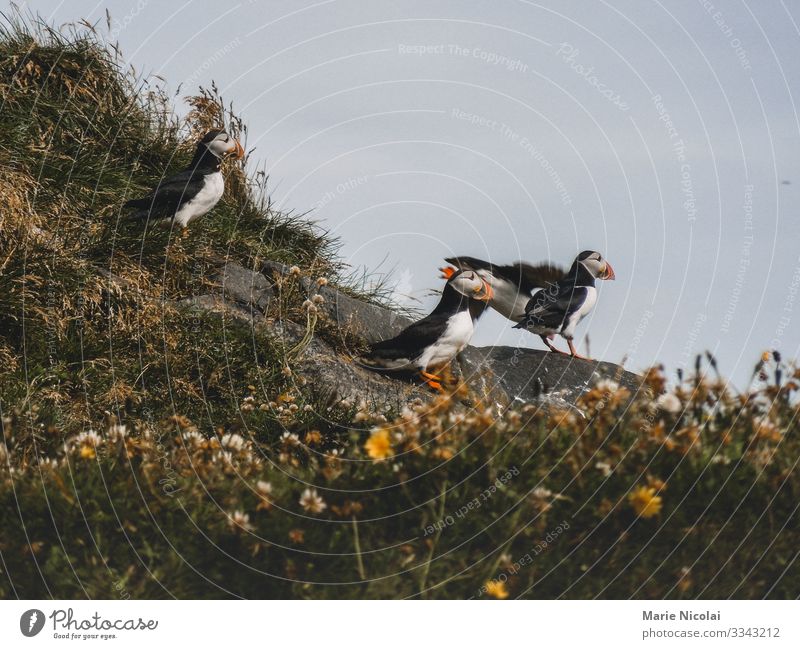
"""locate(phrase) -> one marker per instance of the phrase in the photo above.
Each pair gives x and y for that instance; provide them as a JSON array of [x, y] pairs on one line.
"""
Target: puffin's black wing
[[413, 339], [537, 276], [469, 263], [549, 308], [170, 194]]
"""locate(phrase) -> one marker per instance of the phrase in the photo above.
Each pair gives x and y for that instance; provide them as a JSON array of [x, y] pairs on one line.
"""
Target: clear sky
[[663, 134]]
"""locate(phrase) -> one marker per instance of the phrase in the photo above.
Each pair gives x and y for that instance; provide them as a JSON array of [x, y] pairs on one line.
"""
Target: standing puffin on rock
[[195, 191], [512, 285], [428, 345], [559, 308]]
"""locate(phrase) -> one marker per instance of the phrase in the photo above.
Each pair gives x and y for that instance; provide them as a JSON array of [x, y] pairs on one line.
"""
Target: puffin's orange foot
[[574, 351], [432, 381], [550, 345]]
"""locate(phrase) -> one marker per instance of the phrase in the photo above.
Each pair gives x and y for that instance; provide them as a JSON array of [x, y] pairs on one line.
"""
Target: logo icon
[[31, 622]]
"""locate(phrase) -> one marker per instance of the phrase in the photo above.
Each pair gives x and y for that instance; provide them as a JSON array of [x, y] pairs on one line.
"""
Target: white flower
[[669, 402], [88, 437], [541, 493], [607, 385], [290, 438], [117, 432], [233, 441], [193, 437], [240, 521], [604, 468], [264, 488], [311, 501]]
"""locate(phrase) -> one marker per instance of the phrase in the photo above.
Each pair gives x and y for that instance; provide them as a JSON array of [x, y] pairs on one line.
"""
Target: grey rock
[[244, 287], [507, 375]]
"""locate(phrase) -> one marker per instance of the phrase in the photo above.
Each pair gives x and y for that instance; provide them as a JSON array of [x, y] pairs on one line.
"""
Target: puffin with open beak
[[559, 308], [428, 345], [190, 194], [512, 286]]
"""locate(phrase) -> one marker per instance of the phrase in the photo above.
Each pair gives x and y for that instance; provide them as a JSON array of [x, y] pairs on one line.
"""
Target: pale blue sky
[[526, 130]]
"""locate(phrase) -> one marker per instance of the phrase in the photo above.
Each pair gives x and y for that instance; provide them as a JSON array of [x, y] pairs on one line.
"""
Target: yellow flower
[[87, 452], [645, 502], [379, 445], [496, 589]]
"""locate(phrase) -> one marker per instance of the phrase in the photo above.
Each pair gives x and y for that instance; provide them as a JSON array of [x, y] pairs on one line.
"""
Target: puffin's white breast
[[208, 196]]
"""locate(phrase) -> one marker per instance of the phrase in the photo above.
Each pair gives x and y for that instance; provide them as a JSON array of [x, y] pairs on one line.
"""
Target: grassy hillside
[[153, 451]]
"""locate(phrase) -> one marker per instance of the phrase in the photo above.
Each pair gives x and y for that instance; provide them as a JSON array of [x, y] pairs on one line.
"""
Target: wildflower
[[117, 431], [318, 299], [312, 502], [604, 468], [193, 437], [379, 445], [264, 488], [607, 385], [312, 437], [233, 441], [645, 502], [322, 281], [294, 271], [496, 589], [297, 536], [291, 439], [240, 521], [669, 403], [88, 442]]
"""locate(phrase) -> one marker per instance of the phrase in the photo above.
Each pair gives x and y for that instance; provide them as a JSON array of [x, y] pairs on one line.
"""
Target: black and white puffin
[[559, 308], [195, 191], [428, 345], [512, 285]]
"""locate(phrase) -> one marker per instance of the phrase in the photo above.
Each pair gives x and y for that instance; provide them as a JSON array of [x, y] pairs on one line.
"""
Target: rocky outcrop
[[504, 374]]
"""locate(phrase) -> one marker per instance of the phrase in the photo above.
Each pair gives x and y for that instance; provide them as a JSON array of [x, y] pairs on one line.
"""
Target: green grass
[[199, 495]]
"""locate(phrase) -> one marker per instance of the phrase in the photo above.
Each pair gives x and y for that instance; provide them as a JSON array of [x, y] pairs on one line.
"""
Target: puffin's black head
[[220, 144], [595, 264], [468, 283]]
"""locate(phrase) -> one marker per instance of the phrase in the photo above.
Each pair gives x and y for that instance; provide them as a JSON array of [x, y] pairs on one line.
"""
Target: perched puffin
[[512, 285], [428, 345], [559, 308], [195, 191]]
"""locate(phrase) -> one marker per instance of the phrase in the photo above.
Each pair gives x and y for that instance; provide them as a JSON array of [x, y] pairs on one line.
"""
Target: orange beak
[[487, 292], [238, 154], [447, 272], [609, 272]]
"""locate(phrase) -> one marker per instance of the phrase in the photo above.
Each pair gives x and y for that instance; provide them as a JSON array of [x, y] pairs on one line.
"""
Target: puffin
[[512, 285], [558, 308], [427, 346], [190, 194]]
